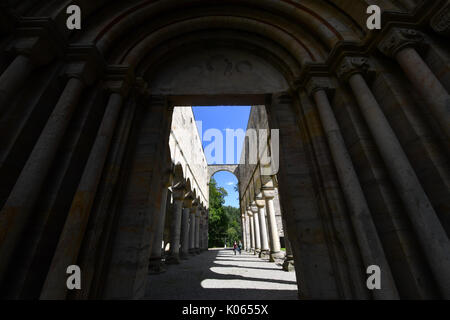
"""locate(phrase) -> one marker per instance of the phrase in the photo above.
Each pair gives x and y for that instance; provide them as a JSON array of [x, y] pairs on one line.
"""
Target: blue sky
[[222, 118]]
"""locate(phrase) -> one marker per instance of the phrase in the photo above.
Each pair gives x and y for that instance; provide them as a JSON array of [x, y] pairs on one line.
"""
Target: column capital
[[119, 79], [260, 203], [399, 38], [38, 39], [254, 208], [268, 193], [259, 200], [353, 65], [440, 22], [194, 207], [85, 62], [188, 200], [319, 83], [178, 191], [141, 86]]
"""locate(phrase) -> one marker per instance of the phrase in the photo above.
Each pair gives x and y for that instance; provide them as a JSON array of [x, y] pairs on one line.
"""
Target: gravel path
[[220, 275]]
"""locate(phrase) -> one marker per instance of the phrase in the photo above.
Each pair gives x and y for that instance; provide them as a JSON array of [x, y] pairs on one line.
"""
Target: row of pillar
[[399, 44], [260, 229], [80, 73], [188, 228]]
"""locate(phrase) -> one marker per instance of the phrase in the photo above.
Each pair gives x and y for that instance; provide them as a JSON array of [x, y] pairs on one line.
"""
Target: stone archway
[[214, 168], [85, 123]]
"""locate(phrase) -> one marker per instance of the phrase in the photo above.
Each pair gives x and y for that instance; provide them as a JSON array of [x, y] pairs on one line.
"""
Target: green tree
[[234, 224], [218, 220], [224, 221]]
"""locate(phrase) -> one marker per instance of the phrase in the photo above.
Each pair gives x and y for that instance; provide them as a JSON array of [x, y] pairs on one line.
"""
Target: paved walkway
[[219, 274]]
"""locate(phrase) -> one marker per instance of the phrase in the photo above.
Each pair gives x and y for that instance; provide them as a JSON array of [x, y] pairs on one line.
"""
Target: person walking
[[240, 246], [235, 247]]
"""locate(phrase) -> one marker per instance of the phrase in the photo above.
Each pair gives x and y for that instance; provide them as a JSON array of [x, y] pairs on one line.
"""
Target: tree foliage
[[224, 221]]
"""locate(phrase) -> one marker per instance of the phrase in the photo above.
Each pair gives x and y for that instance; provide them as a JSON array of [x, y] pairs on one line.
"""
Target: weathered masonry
[[182, 226], [363, 119]]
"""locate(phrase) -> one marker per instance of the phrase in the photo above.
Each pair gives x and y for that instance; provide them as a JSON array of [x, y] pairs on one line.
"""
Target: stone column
[[187, 205], [400, 44], [38, 43], [431, 234], [206, 229], [156, 265], [288, 264], [265, 249], [15, 213], [13, 78], [244, 231], [247, 232], [254, 210], [205, 232], [252, 231], [197, 231], [22, 198], [69, 242], [371, 249], [275, 249], [201, 228], [192, 227], [178, 193]]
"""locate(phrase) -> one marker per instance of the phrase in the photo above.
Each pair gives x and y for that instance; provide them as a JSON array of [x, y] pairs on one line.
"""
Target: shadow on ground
[[221, 275]]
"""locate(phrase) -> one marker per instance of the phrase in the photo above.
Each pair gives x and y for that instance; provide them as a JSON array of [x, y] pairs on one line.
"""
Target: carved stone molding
[[283, 98], [38, 39], [141, 87], [119, 79], [441, 20], [85, 62], [195, 204], [178, 191], [188, 200], [319, 83], [399, 38], [353, 65], [268, 193]]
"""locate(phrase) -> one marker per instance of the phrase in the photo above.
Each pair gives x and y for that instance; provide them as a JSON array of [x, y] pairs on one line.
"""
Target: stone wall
[[186, 149]]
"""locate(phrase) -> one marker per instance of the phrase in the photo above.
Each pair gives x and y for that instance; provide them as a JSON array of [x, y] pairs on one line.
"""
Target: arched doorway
[[86, 120]]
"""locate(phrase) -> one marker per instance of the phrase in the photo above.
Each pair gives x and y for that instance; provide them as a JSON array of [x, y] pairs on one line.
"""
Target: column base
[[156, 266], [288, 265], [276, 256], [264, 254], [173, 260], [184, 256], [192, 252]]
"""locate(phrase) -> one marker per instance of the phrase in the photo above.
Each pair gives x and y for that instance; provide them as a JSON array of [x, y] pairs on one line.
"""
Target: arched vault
[[213, 168]]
